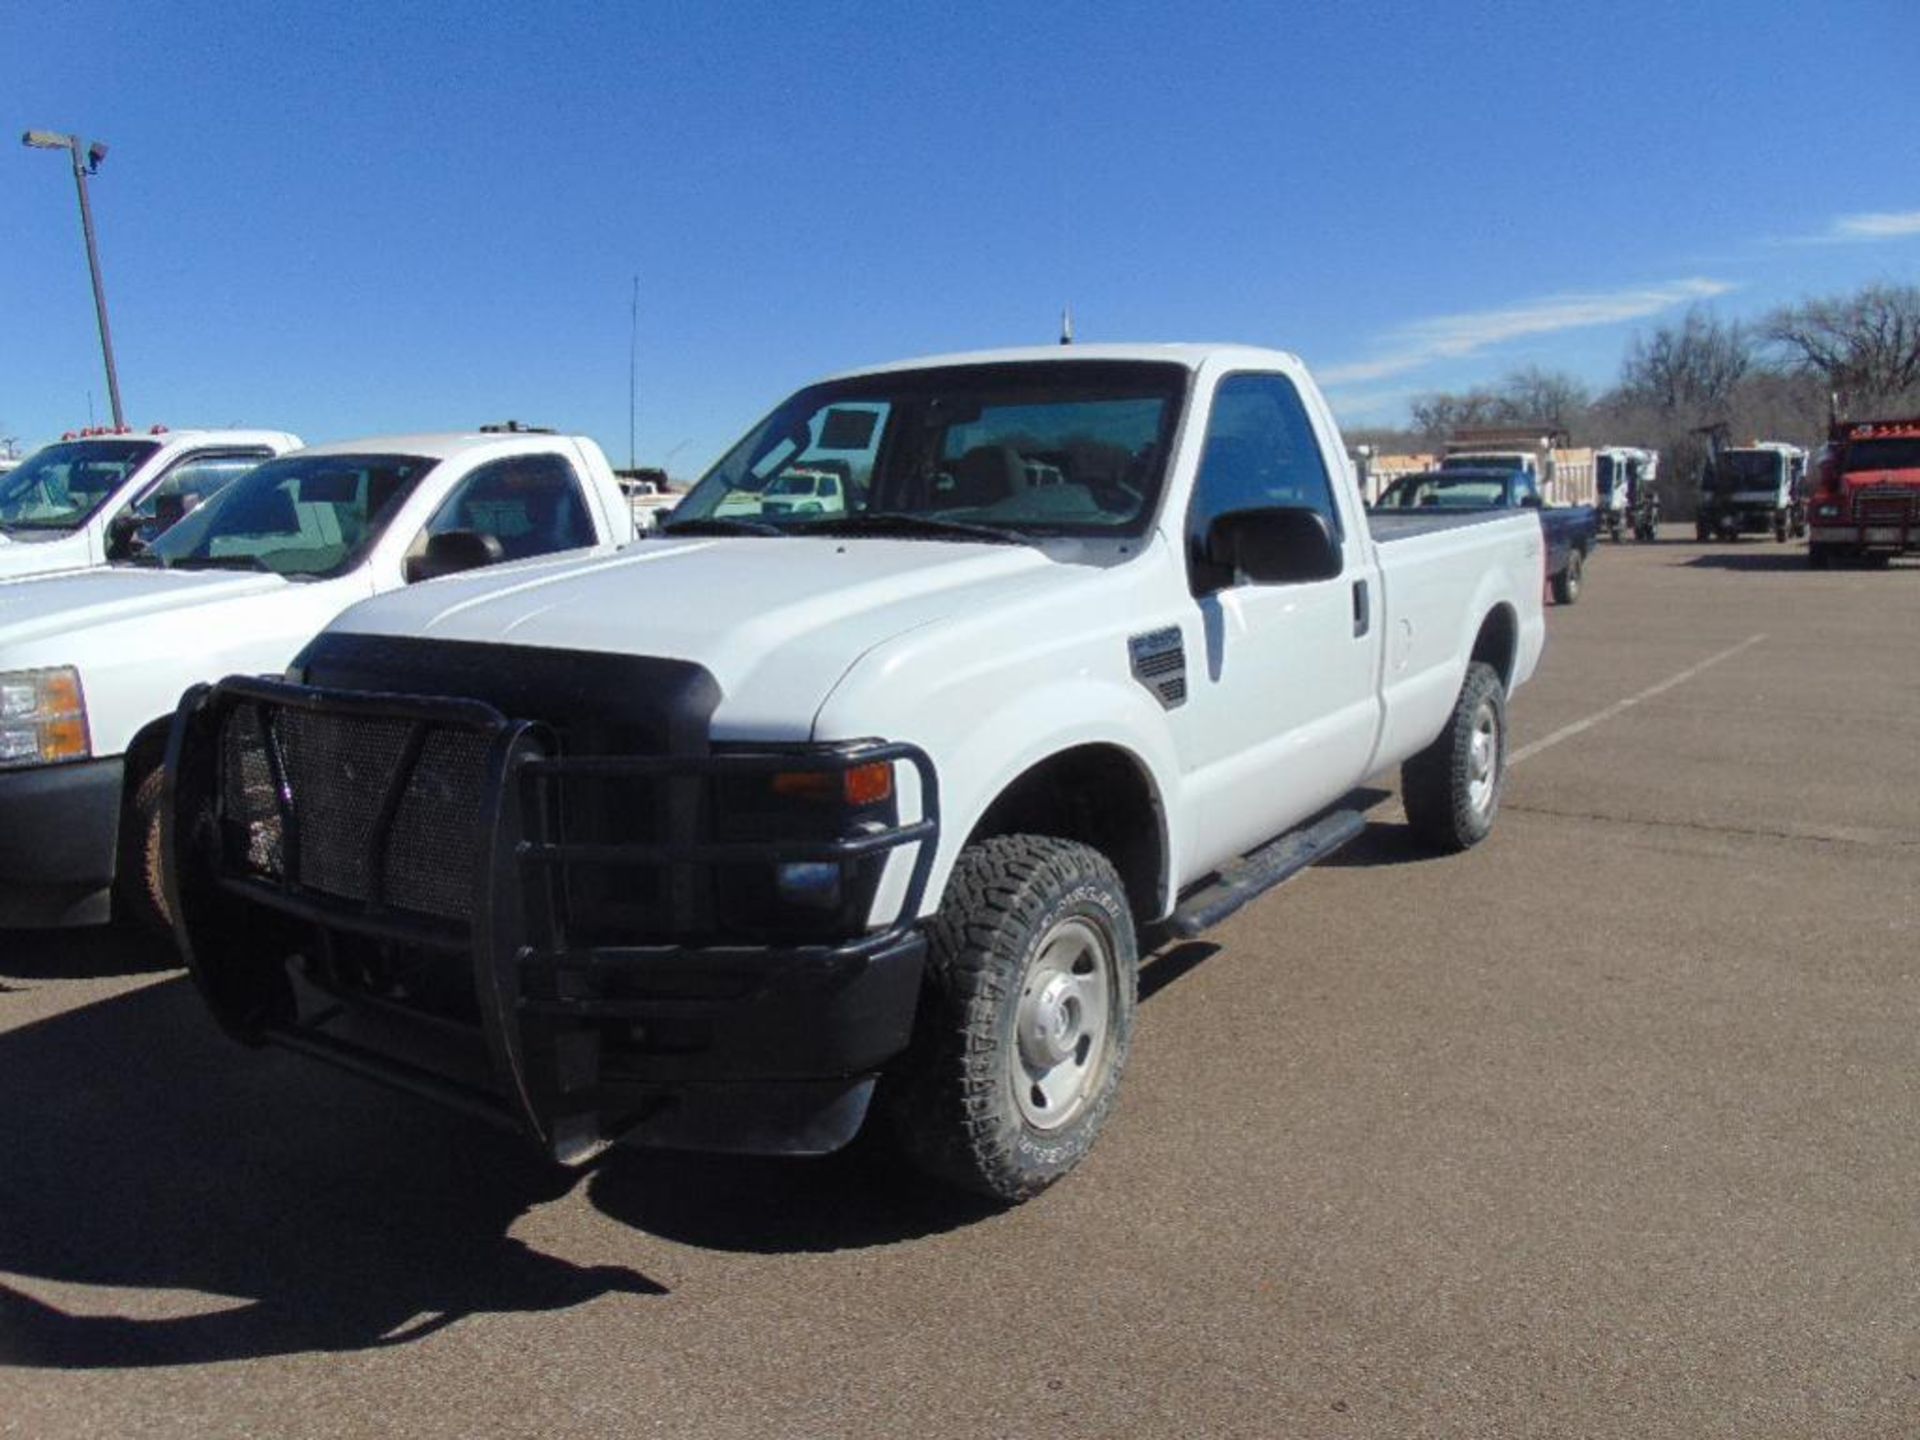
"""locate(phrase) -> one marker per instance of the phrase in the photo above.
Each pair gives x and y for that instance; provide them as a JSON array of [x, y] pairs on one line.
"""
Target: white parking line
[[1567, 732]]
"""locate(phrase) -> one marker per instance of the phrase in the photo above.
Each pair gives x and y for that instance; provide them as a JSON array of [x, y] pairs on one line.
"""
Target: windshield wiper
[[901, 522], [719, 525], [223, 562]]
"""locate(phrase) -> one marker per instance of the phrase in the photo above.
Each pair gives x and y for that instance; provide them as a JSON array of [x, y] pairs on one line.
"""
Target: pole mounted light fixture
[[94, 152]]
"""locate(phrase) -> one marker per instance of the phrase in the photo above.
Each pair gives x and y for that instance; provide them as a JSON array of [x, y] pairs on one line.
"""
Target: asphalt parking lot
[[1605, 1128]]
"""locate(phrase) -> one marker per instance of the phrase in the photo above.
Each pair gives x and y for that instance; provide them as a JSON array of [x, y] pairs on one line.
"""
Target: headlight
[[43, 717]]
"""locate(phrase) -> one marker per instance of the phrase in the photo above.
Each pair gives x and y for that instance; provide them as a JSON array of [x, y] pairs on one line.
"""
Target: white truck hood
[[43, 555], [777, 622], [67, 606]]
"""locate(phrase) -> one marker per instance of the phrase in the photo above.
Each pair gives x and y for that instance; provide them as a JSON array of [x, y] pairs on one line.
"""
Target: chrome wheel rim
[[1483, 758], [1061, 1025]]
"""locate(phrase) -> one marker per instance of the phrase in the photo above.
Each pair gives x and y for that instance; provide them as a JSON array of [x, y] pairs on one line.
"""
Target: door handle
[[1362, 608]]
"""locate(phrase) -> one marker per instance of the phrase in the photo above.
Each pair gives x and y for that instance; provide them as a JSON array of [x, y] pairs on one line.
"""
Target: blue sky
[[349, 220]]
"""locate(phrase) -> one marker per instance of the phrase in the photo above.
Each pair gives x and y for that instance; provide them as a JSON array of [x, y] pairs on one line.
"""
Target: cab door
[[1284, 700]]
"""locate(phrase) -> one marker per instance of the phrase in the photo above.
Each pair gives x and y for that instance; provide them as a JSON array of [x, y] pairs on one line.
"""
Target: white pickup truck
[[730, 838], [93, 498], [92, 665]]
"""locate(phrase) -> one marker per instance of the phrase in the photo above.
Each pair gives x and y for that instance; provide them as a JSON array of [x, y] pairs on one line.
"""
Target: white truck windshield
[[1075, 447], [59, 487], [305, 515]]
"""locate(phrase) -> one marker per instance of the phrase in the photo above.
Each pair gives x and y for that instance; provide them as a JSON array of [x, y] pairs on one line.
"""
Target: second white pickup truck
[[731, 838], [92, 665]]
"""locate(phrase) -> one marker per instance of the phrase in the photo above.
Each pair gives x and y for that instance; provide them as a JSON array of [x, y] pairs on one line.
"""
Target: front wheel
[[1566, 585], [140, 892], [1452, 788], [1025, 1020]]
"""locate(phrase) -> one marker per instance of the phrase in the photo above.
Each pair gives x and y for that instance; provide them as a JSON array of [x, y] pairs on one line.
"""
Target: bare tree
[[1687, 368], [1529, 396], [1864, 346]]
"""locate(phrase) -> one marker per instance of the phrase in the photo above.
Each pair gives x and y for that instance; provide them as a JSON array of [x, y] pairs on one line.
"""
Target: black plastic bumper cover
[[761, 1049], [59, 838]]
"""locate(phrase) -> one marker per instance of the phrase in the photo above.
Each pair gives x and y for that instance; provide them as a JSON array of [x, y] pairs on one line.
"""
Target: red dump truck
[[1866, 499]]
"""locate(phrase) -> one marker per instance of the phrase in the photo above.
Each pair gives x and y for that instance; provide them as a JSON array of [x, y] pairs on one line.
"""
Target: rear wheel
[[1452, 788], [1566, 585], [1025, 1020], [1702, 533]]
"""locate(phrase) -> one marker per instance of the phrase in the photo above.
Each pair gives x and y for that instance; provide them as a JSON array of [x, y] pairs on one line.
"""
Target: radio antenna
[[1066, 325], [633, 371]]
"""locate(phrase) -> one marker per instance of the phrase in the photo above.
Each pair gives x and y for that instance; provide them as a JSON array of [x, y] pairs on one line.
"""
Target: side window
[[192, 482], [531, 504], [1260, 451]]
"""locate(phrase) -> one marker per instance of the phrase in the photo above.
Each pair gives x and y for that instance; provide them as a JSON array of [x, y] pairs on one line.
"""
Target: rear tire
[[1025, 1018], [1452, 788], [1702, 534], [1566, 585]]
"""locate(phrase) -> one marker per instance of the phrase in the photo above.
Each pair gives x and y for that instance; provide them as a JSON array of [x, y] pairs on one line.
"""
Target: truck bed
[[1390, 525]]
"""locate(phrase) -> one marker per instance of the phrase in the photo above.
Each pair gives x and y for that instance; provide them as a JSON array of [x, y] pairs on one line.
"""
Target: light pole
[[95, 153]]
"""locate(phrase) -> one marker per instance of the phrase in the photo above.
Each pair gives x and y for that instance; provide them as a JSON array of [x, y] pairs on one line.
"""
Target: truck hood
[[777, 622], [39, 554], [64, 605]]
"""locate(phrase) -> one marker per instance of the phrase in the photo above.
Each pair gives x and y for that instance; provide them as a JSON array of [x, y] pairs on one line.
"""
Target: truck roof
[[167, 435], [1190, 354], [443, 446]]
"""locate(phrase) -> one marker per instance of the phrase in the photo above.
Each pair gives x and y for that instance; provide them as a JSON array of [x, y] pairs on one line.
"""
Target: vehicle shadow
[[1793, 557], [1381, 843], [245, 1204], [93, 952]]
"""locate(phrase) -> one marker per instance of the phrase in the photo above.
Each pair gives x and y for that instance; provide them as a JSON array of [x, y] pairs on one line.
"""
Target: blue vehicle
[[1570, 530]]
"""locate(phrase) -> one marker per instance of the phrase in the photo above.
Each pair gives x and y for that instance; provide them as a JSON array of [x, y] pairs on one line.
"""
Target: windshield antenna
[[1066, 324]]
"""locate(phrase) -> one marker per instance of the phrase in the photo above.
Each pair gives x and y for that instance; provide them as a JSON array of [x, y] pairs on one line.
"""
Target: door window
[[1260, 452], [531, 504]]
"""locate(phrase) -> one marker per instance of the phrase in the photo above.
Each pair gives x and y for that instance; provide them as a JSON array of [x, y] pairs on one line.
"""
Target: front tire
[[1566, 585], [140, 894], [1025, 1019], [1452, 788]]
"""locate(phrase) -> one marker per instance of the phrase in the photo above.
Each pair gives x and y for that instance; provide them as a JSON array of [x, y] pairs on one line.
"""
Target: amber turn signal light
[[863, 785]]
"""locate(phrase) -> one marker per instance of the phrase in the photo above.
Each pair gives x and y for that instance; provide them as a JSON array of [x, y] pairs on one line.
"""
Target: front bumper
[[1849, 535], [577, 1043], [59, 842]]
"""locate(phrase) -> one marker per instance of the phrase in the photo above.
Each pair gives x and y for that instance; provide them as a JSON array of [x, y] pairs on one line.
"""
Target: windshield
[[1896, 453], [59, 487], [1445, 492], [303, 515], [1748, 470], [1044, 448]]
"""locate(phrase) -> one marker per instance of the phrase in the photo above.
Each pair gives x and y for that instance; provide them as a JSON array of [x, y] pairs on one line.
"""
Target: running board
[[1274, 862]]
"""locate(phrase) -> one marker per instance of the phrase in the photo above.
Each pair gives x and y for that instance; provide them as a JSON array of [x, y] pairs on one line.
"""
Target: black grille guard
[[514, 931]]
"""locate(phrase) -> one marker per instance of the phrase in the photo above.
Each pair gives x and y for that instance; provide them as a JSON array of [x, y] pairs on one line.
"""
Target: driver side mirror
[[1530, 501], [1276, 545], [451, 552], [123, 536]]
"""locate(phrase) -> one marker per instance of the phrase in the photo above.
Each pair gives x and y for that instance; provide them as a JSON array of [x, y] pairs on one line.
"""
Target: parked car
[[98, 496], [92, 665], [1866, 501], [1571, 531], [775, 821]]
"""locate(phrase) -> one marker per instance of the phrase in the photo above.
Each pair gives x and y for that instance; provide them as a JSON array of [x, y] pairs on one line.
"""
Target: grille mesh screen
[[339, 769]]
